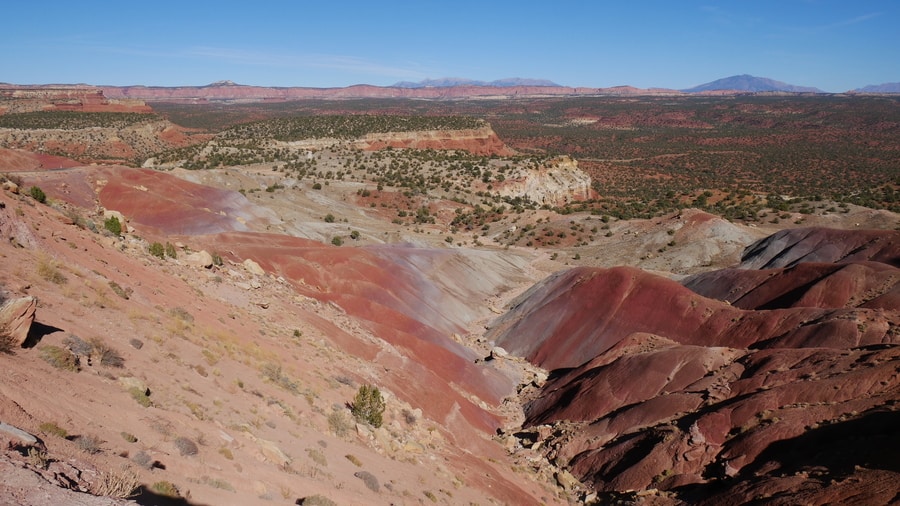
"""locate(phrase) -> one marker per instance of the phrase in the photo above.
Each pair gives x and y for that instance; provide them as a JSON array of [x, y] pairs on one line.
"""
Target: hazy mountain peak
[[746, 82]]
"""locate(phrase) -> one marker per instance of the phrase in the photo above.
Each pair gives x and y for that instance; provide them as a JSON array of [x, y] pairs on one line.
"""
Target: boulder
[[16, 318], [199, 259], [11, 187], [253, 268]]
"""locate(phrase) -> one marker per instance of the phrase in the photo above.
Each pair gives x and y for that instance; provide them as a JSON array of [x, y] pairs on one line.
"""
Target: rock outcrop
[[556, 183], [16, 318], [479, 141]]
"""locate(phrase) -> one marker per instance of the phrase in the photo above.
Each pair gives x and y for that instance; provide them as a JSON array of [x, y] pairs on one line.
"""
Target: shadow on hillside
[[838, 447], [150, 498], [37, 332]]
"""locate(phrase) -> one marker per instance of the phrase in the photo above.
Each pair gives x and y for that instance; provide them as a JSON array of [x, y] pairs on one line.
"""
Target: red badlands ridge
[[657, 388]]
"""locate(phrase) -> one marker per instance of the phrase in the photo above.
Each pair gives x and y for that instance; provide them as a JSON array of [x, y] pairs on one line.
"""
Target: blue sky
[[833, 45]]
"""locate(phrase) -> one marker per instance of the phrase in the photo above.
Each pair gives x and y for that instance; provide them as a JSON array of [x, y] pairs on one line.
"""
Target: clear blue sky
[[835, 45]]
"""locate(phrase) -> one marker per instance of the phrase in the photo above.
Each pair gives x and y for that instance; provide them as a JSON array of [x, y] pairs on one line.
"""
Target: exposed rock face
[[479, 141], [66, 98], [16, 317], [557, 183]]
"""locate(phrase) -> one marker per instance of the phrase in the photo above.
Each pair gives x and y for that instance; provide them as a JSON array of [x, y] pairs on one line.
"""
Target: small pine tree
[[38, 194], [158, 250], [113, 225], [368, 405]]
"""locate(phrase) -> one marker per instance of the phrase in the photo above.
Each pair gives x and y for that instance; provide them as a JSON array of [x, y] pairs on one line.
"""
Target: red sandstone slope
[[862, 284], [573, 316], [666, 397], [793, 246]]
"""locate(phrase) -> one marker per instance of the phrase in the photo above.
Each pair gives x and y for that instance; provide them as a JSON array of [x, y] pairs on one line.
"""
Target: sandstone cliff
[[555, 183]]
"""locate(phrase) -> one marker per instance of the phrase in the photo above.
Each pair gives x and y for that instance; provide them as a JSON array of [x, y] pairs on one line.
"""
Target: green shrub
[[113, 225], [337, 241], [158, 250], [38, 194], [368, 405], [170, 250]]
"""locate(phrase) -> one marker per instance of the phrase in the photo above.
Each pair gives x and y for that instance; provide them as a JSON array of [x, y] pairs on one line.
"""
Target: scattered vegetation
[[59, 358], [369, 479], [122, 485], [48, 270], [165, 488], [89, 444], [186, 447], [53, 429], [140, 396]]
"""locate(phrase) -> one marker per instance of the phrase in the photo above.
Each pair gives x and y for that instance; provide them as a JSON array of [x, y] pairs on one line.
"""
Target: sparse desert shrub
[[113, 225], [121, 485], [38, 194], [352, 458], [59, 358], [317, 457], [369, 479], [127, 436], [52, 428], [48, 270], [430, 495], [142, 459], [316, 500], [273, 373], [368, 405], [339, 423], [107, 356], [7, 343], [186, 447], [125, 293], [226, 452], [337, 241], [78, 346], [158, 250], [166, 488], [89, 444], [182, 314], [140, 396], [329, 218], [170, 250], [38, 458]]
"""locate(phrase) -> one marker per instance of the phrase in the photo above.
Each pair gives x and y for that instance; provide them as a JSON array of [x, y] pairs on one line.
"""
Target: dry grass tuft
[[122, 485]]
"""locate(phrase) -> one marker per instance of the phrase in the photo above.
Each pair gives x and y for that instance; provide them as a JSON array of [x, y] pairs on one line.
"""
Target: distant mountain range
[[447, 82], [880, 88], [435, 89]]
